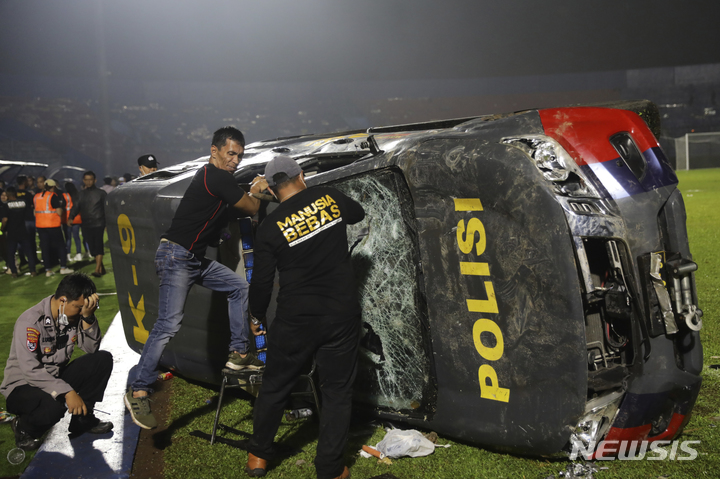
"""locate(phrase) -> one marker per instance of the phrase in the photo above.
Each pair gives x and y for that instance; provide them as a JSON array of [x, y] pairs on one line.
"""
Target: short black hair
[[282, 180], [21, 180], [221, 136], [75, 286], [107, 180], [89, 172], [10, 190]]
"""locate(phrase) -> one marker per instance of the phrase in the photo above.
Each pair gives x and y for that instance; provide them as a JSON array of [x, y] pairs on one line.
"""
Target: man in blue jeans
[[180, 262]]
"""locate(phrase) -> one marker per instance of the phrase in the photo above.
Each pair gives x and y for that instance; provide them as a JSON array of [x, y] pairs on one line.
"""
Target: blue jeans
[[178, 270], [72, 232]]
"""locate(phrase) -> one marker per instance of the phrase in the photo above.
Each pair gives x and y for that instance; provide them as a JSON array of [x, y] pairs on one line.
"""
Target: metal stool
[[250, 379]]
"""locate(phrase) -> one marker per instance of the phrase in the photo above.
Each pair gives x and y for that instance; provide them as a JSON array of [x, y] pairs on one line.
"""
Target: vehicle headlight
[[555, 164]]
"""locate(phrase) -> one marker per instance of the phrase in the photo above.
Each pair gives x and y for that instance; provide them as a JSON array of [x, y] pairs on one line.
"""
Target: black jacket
[[91, 208]]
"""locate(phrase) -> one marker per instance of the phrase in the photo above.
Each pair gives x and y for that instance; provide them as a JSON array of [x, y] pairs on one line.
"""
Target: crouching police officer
[[40, 382]]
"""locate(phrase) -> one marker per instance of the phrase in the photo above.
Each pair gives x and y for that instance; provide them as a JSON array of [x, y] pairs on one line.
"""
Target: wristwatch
[[255, 321], [90, 320]]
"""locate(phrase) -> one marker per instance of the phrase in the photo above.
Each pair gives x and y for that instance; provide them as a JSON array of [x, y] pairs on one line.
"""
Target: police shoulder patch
[[33, 336]]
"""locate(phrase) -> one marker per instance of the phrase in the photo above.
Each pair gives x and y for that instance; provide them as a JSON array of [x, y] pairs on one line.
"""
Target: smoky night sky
[[102, 82], [329, 40]]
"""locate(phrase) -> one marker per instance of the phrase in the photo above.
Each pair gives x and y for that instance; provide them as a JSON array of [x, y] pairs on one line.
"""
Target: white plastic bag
[[399, 443]]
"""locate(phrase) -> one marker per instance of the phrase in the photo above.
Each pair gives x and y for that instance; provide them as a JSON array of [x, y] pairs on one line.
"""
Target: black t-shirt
[[305, 238], [28, 197], [200, 215], [14, 211]]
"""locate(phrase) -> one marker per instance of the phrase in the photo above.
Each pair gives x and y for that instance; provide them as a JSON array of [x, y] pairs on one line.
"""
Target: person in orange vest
[[48, 220], [72, 228]]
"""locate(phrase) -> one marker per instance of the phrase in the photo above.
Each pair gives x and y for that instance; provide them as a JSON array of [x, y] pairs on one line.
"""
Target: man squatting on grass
[[40, 382], [180, 262]]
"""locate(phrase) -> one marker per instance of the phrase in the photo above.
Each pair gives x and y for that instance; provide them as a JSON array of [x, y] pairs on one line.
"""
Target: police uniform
[[39, 373]]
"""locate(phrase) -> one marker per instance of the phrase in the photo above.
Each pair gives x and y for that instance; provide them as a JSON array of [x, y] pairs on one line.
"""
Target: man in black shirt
[[12, 215], [91, 208], [24, 193], [180, 262], [318, 313]]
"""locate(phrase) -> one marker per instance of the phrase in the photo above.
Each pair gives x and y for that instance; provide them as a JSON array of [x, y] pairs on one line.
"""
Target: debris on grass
[[581, 470]]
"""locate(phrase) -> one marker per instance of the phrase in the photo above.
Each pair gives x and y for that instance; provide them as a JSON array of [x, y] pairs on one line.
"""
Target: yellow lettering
[[296, 219], [320, 203], [468, 204], [490, 389], [127, 234], [335, 210], [325, 216], [484, 305], [329, 200], [465, 243], [310, 210], [139, 331], [290, 234], [475, 269], [300, 227], [488, 326], [312, 223], [134, 275], [286, 224]]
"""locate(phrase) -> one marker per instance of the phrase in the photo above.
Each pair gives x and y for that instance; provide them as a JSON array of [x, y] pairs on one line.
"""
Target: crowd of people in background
[[49, 213], [40, 208]]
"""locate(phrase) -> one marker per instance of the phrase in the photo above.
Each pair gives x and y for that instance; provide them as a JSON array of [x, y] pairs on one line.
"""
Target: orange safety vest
[[45, 215], [68, 207]]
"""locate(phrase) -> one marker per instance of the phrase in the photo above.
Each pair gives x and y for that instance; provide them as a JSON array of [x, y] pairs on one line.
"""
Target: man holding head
[[40, 382], [318, 313], [180, 262], [147, 164]]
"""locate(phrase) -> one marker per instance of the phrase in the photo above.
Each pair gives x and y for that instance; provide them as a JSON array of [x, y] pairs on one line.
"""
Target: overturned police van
[[525, 279]]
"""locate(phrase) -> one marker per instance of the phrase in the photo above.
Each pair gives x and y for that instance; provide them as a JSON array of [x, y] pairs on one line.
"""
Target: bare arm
[[248, 204]]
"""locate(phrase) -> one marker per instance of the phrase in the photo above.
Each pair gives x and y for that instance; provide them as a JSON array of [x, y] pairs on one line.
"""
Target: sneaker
[[237, 362], [33, 273], [7, 271], [24, 440], [66, 271], [140, 410], [78, 257], [69, 257], [49, 273]]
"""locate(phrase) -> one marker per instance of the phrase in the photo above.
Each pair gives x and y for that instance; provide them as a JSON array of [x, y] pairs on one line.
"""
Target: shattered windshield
[[395, 368]]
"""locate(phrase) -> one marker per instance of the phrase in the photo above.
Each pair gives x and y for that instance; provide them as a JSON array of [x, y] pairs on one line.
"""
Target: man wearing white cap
[[49, 209]]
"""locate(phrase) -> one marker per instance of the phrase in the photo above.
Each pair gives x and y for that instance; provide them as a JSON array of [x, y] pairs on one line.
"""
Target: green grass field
[[19, 294], [187, 456]]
